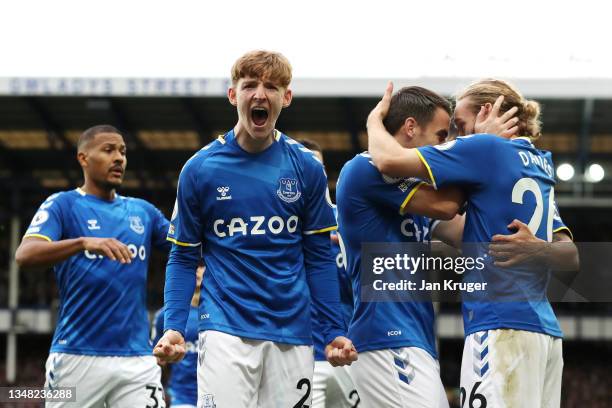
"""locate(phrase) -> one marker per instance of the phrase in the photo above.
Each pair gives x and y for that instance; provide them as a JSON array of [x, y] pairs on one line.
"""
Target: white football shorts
[[333, 387], [101, 381], [507, 368], [236, 372], [406, 377]]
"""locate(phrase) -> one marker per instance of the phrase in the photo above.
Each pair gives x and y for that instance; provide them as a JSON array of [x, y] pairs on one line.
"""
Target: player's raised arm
[[387, 154], [442, 204]]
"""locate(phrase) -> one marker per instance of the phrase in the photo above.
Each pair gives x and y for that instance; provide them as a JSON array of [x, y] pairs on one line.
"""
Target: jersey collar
[[524, 139], [230, 136], [84, 194]]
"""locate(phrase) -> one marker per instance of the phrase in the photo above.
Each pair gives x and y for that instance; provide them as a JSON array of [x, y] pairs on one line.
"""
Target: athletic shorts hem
[[373, 346], [514, 326], [101, 353], [294, 341]]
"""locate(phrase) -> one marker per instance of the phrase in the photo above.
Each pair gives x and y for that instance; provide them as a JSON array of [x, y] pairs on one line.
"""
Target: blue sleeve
[[558, 224], [322, 277], [464, 161], [184, 232], [180, 285], [160, 227], [158, 326], [47, 223], [319, 215], [186, 225], [390, 192]]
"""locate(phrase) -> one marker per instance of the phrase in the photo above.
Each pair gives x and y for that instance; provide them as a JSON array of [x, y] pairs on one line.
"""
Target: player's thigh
[[140, 383], [341, 391], [229, 370], [551, 396], [287, 376], [91, 381], [333, 387], [405, 377], [322, 374], [376, 379], [504, 367]]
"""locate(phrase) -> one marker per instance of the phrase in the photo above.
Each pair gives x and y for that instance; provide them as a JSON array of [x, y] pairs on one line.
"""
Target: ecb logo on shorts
[[208, 401], [136, 224], [288, 190]]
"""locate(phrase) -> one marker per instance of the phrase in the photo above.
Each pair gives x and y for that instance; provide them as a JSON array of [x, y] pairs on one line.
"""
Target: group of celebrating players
[[256, 269]]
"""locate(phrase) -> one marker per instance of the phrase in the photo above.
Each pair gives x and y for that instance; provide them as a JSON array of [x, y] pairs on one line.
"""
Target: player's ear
[[487, 108], [409, 126], [287, 98], [82, 158], [231, 95]]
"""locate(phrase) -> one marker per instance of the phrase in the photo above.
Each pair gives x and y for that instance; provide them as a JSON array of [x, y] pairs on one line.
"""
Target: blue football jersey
[[503, 180], [250, 212], [183, 384], [346, 299], [371, 209], [102, 302]]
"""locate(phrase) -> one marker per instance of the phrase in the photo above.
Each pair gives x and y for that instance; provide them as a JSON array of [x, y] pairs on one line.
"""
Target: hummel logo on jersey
[[223, 193], [92, 225]]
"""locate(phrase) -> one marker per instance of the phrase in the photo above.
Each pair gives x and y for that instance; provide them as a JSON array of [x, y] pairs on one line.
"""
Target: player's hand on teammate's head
[[170, 348], [382, 108], [521, 247], [109, 247], [490, 121], [340, 351]]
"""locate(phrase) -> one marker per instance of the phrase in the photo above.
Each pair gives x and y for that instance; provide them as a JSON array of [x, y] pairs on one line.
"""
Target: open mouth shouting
[[259, 115]]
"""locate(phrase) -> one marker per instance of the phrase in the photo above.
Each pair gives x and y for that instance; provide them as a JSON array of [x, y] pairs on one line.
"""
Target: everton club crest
[[288, 190], [136, 224]]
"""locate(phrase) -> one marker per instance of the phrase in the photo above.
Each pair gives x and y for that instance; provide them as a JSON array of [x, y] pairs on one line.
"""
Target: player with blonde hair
[[479, 97], [512, 355]]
